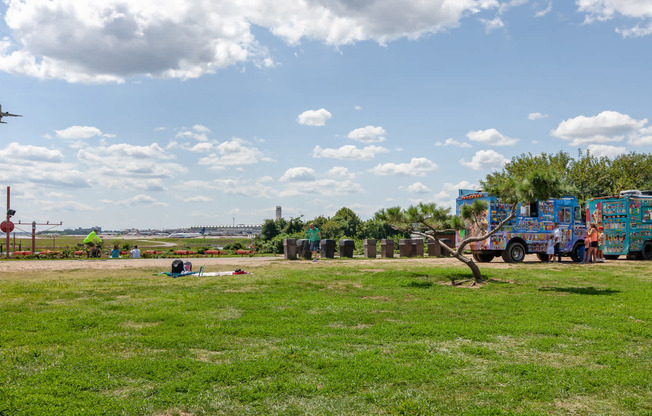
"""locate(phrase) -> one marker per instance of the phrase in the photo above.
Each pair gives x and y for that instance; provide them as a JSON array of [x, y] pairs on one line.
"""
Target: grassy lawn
[[330, 338]]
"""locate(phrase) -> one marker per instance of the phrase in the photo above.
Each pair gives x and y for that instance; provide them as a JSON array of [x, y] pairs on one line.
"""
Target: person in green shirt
[[90, 241], [314, 236]]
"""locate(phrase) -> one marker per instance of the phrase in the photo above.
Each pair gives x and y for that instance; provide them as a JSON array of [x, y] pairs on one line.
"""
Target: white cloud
[[448, 187], [493, 24], [491, 137], [236, 152], [368, 134], [78, 133], [202, 147], [340, 172], [110, 40], [643, 137], [452, 142], [19, 153], [33, 165], [138, 200], [130, 167], [198, 132], [314, 118], [418, 188], [305, 181], [608, 126], [600, 150], [348, 152], [544, 12], [536, 116], [325, 187], [299, 174], [603, 10], [485, 159], [418, 166], [199, 199]]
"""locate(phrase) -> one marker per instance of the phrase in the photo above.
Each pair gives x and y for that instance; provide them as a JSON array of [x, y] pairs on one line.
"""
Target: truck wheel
[[611, 256], [575, 254], [646, 252], [483, 257], [514, 253], [543, 257]]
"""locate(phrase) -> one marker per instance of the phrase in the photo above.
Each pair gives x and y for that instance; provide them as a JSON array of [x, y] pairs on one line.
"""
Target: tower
[[278, 212]]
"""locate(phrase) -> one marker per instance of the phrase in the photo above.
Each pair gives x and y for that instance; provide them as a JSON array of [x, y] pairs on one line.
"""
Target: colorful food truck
[[527, 232], [627, 223]]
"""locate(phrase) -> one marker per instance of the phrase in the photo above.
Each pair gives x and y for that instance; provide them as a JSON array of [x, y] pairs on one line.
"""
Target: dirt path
[[215, 263]]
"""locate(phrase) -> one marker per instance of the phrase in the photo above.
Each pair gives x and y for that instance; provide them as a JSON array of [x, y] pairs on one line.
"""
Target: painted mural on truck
[[627, 221], [533, 223]]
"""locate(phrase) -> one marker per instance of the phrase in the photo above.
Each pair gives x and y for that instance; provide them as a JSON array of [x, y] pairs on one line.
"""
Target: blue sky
[[182, 113]]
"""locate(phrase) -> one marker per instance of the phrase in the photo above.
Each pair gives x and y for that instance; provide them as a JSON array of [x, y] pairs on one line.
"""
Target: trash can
[[418, 247], [387, 248], [405, 247], [290, 248], [303, 249], [449, 243], [434, 249], [370, 248], [346, 248], [328, 249]]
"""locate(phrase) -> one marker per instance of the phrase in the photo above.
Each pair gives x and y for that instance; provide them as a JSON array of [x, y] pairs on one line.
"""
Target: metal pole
[[8, 199], [33, 237]]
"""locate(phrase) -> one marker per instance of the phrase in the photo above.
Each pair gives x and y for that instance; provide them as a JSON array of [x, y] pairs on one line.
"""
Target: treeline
[[344, 224], [587, 175]]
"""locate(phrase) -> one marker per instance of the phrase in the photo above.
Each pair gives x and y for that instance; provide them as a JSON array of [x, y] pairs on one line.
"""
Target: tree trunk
[[477, 276]]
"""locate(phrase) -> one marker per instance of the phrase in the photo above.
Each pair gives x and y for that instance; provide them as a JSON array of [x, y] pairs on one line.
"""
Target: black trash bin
[[303, 249], [448, 242], [328, 249], [290, 248], [387, 248], [346, 248]]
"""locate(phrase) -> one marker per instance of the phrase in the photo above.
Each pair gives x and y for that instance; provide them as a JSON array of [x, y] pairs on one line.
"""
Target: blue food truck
[[627, 223], [527, 232]]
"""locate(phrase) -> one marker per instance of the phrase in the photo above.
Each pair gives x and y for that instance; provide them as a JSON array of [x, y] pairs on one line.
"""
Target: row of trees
[[344, 224], [588, 176]]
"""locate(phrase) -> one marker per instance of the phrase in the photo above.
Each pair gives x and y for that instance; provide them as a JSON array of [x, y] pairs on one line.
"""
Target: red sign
[[7, 227]]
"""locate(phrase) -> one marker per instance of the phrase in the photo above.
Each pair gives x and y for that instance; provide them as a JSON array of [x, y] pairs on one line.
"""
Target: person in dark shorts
[[314, 236]]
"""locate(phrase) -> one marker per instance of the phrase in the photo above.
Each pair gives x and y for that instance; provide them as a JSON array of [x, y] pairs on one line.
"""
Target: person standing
[[602, 241], [550, 248], [556, 234], [135, 253], [593, 238], [587, 247], [314, 236]]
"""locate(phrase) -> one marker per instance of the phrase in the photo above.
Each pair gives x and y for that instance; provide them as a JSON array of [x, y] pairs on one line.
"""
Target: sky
[[178, 113]]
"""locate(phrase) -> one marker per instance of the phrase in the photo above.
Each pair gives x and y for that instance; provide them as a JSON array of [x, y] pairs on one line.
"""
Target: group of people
[[593, 250], [594, 243]]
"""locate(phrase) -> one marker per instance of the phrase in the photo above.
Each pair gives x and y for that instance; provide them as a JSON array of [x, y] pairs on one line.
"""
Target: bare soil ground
[[225, 264]]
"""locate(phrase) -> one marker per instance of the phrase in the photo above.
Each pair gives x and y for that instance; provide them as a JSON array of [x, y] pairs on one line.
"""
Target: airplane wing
[[10, 115]]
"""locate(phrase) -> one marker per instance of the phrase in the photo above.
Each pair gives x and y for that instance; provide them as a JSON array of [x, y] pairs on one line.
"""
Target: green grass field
[[330, 338]]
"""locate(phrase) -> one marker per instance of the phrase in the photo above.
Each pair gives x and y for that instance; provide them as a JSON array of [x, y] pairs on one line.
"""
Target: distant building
[[239, 230], [81, 231], [278, 212]]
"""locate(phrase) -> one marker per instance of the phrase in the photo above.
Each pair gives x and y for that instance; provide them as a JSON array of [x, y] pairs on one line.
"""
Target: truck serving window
[[564, 214], [530, 210]]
